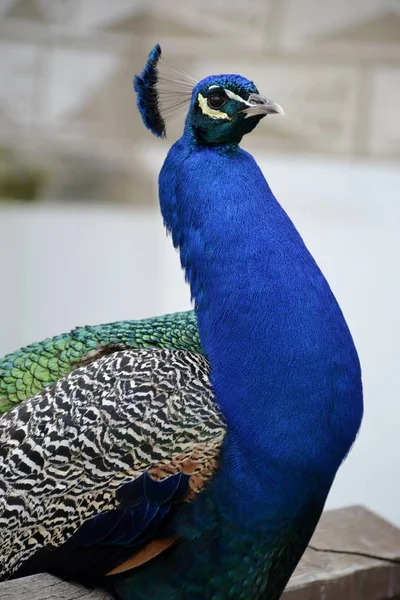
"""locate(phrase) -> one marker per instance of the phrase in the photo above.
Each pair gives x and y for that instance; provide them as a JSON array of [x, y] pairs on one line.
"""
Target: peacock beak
[[260, 105]]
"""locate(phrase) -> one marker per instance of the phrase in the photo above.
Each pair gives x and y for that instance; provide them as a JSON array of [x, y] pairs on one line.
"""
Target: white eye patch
[[234, 96], [211, 112]]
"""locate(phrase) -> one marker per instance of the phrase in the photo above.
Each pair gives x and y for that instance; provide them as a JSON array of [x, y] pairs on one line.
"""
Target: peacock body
[[189, 456]]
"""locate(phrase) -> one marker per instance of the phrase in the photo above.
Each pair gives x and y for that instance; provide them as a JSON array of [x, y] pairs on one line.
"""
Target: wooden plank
[[47, 587], [345, 572]]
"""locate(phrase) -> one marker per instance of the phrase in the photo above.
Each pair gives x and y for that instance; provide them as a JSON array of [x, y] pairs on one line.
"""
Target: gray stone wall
[[66, 68]]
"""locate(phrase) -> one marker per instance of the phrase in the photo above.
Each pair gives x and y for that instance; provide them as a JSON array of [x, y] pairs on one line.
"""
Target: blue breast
[[284, 367]]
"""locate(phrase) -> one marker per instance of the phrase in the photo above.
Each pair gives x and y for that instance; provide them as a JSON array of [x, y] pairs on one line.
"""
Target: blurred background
[[81, 240]]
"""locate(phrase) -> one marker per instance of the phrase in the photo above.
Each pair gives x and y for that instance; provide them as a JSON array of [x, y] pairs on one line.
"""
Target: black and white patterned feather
[[65, 452]]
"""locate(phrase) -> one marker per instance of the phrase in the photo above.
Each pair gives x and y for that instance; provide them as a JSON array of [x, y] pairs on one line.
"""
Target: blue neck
[[284, 368]]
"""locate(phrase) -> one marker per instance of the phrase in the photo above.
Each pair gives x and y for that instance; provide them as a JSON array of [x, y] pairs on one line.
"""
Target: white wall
[[63, 267]]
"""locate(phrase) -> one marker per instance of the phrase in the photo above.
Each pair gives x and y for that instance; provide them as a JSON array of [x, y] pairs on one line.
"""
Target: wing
[[27, 371], [66, 453]]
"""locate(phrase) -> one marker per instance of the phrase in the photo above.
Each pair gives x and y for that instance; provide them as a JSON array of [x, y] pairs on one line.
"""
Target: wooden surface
[[319, 576], [341, 576], [47, 587]]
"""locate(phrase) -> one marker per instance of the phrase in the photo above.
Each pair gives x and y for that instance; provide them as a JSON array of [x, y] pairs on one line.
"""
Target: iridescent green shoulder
[[27, 371]]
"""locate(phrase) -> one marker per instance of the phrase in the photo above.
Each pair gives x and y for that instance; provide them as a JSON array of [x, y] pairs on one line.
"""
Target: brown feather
[[152, 549]]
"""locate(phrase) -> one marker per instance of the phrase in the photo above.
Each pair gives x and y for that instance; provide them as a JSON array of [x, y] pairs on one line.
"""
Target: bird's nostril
[[257, 99]]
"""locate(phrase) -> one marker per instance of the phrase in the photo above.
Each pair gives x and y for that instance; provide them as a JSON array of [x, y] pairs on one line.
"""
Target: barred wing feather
[[65, 452]]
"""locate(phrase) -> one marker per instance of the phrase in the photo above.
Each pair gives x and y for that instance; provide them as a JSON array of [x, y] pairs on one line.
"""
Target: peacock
[[187, 456]]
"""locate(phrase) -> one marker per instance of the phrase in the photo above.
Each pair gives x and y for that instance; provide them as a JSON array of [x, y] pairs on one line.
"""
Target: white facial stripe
[[234, 96], [212, 87], [211, 112]]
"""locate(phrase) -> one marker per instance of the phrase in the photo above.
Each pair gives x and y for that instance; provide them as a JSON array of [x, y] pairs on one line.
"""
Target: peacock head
[[222, 108], [226, 107]]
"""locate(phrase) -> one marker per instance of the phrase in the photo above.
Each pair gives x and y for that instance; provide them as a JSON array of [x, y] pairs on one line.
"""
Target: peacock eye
[[216, 101]]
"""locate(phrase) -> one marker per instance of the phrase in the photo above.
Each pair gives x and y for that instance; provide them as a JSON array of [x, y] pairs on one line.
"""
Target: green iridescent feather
[[25, 372]]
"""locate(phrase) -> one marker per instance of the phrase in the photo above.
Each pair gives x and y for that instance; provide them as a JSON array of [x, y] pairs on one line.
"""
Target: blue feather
[[163, 492], [143, 504], [145, 86]]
